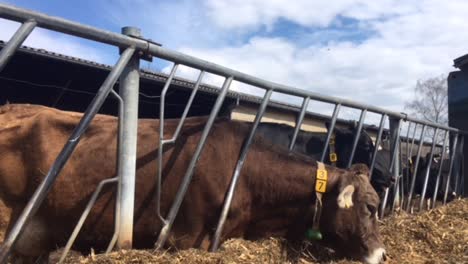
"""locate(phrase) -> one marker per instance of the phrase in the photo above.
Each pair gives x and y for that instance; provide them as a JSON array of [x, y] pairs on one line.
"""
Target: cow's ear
[[345, 198]]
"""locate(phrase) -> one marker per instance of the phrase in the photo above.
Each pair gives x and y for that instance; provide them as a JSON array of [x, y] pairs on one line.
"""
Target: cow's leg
[[33, 245]]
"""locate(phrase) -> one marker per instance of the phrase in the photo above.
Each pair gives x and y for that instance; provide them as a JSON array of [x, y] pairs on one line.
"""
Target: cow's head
[[349, 219], [344, 146]]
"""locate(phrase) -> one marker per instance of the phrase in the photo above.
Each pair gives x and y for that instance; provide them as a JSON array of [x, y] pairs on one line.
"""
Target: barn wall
[[247, 113], [458, 111]]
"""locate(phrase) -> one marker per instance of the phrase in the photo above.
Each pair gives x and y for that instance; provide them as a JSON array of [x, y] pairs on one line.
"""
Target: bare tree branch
[[430, 102]]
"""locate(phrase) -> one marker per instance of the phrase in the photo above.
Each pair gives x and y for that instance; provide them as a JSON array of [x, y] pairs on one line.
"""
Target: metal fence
[[133, 48]]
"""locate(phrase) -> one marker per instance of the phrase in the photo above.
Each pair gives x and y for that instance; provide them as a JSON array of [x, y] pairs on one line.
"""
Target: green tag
[[313, 234]]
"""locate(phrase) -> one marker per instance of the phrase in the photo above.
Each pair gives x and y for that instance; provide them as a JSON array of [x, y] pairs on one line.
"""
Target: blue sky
[[369, 51]]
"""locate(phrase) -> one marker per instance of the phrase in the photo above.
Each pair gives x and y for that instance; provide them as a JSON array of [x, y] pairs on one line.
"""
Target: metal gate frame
[[134, 46]]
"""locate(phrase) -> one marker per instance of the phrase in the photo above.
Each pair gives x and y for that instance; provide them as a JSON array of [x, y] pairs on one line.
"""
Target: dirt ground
[[436, 236]]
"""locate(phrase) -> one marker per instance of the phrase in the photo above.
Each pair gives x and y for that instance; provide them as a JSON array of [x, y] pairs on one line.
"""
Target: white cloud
[[410, 42], [253, 13]]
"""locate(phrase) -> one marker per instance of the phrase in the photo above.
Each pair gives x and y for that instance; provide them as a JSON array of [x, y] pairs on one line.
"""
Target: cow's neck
[[284, 195]]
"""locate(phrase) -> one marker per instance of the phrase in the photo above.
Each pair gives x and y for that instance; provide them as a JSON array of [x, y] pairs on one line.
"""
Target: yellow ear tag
[[321, 181], [333, 157]]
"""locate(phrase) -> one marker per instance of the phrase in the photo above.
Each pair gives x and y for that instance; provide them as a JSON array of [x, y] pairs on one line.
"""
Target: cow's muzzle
[[376, 257]]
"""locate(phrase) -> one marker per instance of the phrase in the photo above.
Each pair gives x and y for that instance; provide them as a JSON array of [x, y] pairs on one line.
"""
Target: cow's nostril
[[384, 257]]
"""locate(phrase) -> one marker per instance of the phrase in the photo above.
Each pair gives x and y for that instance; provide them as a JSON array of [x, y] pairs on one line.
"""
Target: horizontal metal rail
[[149, 47]]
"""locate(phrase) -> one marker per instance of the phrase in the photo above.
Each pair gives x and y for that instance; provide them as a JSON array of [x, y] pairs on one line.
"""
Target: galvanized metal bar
[[300, 119], [257, 82], [129, 90], [413, 140], [394, 166], [163, 141], [428, 168], [70, 27], [441, 166], [15, 41], [41, 192], [458, 162], [147, 46], [377, 143], [453, 152], [187, 108], [163, 235], [235, 177], [162, 103], [119, 169], [402, 187], [416, 167], [330, 131], [408, 157], [83, 217], [356, 137]]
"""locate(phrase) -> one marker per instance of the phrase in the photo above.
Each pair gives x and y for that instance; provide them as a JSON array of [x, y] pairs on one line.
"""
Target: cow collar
[[331, 145], [321, 180]]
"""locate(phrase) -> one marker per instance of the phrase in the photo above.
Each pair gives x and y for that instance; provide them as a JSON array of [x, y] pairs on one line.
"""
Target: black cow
[[432, 180], [311, 144]]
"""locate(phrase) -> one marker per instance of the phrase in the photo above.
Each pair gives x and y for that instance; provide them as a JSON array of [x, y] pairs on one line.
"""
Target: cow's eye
[[372, 209]]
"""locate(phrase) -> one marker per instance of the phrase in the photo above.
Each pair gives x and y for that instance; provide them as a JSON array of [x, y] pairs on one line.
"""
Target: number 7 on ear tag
[[321, 181]]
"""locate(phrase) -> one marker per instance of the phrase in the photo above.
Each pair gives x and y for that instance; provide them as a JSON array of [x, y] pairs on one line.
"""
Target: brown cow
[[275, 194]]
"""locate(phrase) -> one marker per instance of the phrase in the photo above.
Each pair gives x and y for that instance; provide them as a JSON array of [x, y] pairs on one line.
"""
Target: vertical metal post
[[458, 175], [239, 165], [377, 143], [129, 90], [356, 137], [416, 167], [41, 192], [428, 168], [394, 166], [330, 131], [299, 120], [163, 235], [441, 166], [15, 41]]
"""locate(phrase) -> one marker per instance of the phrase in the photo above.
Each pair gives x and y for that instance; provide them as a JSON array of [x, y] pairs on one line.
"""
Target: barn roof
[[160, 78]]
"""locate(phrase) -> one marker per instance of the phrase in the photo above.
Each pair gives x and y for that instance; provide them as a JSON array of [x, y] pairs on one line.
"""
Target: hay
[[436, 236]]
